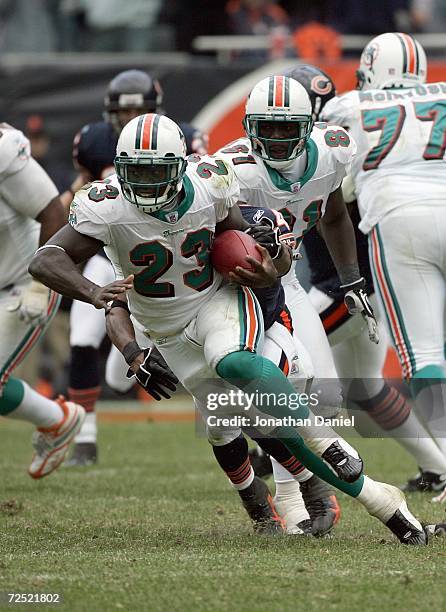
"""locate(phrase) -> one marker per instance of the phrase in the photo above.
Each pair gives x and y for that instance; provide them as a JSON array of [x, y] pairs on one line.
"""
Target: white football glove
[[357, 302], [33, 303]]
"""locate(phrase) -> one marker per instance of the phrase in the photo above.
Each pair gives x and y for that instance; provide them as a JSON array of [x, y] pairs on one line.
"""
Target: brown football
[[230, 250]]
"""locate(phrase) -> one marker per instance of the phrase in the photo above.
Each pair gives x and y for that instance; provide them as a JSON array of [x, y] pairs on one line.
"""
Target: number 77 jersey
[[401, 140]]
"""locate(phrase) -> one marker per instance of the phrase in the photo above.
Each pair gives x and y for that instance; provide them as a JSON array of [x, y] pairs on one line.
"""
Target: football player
[[129, 94], [156, 219], [285, 164], [30, 213], [399, 178], [356, 359]]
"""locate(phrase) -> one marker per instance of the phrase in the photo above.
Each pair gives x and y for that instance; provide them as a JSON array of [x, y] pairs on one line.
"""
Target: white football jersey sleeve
[[401, 139], [25, 190]]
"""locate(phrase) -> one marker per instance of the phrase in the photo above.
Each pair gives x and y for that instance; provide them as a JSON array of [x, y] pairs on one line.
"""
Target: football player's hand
[[267, 236], [265, 274], [33, 303], [103, 295], [357, 302], [153, 374]]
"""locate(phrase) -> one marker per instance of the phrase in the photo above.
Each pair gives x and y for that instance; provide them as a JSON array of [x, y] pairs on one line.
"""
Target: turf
[[155, 526]]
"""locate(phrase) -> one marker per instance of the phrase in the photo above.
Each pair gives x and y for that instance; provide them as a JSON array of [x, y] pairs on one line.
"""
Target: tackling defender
[[156, 219], [30, 213], [399, 179]]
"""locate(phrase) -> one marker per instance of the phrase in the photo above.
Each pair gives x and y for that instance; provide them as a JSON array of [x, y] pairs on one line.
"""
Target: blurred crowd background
[[38, 26]]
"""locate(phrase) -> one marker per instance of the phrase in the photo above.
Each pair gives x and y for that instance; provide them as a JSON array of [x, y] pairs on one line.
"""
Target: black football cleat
[[84, 453], [347, 466], [436, 529], [321, 504], [259, 505], [425, 481], [406, 530], [304, 528], [261, 462]]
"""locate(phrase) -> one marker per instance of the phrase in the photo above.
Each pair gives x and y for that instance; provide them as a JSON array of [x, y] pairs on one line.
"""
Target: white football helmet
[[285, 101], [150, 161], [392, 60]]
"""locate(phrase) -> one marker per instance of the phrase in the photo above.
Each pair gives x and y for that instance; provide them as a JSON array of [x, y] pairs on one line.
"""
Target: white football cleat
[[388, 504], [51, 444]]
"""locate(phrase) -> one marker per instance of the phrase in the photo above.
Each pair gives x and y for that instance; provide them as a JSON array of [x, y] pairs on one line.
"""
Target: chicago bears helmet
[[317, 83], [131, 89]]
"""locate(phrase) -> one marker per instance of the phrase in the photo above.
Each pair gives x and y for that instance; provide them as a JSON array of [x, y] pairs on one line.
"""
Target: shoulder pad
[[14, 150], [241, 146], [217, 172], [98, 191], [334, 141]]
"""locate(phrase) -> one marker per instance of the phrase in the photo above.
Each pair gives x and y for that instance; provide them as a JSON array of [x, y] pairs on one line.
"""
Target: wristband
[[117, 304], [357, 284], [130, 351]]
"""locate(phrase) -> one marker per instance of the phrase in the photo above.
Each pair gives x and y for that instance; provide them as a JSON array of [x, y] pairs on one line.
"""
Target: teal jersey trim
[[312, 159], [184, 205], [396, 305]]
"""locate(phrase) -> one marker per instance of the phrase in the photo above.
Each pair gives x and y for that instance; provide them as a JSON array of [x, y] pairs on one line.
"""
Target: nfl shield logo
[[295, 187], [172, 217]]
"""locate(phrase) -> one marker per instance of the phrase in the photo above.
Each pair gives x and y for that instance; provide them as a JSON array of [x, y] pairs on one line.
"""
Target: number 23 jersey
[[401, 139], [301, 198], [167, 251]]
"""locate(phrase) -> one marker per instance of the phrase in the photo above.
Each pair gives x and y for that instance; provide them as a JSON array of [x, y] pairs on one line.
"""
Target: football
[[230, 249]]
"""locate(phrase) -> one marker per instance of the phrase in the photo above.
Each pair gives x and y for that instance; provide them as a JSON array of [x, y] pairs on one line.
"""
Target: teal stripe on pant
[[400, 336]]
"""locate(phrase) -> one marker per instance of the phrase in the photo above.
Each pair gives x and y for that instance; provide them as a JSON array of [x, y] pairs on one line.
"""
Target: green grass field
[[155, 526]]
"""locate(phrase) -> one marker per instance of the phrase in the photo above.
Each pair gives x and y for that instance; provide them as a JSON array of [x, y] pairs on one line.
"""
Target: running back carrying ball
[[230, 250]]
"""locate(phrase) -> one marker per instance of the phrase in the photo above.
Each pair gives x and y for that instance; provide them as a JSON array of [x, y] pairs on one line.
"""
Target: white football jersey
[[302, 198], [168, 250], [401, 140], [25, 190]]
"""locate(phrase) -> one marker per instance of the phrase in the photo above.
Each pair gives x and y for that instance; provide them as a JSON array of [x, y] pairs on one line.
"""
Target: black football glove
[[267, 236], [357, 301], [154, 374]]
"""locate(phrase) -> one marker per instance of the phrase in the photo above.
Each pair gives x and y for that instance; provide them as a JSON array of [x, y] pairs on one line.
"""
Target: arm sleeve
[[85, 220], [28, 190]]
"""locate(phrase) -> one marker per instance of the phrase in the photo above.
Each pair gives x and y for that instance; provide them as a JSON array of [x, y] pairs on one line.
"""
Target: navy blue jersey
[[271, 299], [94, 147], [323, 272]]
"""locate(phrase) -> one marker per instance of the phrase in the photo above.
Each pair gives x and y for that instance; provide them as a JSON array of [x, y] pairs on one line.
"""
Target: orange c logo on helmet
[[321, 85]]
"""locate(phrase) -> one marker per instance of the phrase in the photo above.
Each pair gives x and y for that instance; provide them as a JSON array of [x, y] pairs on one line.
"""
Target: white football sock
[[281, 474], [37, 409], [290, 505], [89, 430]]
